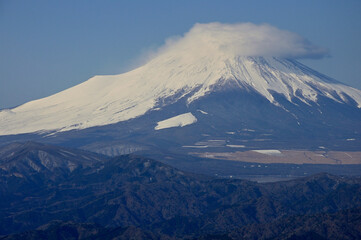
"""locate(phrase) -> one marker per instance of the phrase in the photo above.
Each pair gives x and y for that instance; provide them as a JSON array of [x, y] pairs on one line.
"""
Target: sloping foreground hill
[[145, 196], [72, 231], [343, 224]]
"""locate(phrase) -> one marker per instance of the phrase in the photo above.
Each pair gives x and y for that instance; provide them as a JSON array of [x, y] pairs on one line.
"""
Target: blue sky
[[48, 46]]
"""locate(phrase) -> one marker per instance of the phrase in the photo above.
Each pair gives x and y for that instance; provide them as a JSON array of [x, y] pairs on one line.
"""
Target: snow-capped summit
[[210, 58]]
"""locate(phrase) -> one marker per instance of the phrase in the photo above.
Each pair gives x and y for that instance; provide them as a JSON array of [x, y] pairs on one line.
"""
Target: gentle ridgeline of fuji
[[217, 86], [166, 79]]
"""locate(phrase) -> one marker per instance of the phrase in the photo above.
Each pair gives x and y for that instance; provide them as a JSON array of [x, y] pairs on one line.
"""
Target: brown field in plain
[[287, 156]]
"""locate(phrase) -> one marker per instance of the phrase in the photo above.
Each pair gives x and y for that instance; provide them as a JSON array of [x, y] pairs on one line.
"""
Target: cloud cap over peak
[[244, 39]]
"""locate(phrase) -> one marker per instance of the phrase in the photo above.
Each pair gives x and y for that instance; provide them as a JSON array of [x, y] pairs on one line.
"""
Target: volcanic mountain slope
[[200, 87], [104, 100], [135, 191]]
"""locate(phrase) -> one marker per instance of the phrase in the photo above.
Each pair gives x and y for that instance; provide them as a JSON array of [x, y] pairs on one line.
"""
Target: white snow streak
[[177, 121], [269, 152]]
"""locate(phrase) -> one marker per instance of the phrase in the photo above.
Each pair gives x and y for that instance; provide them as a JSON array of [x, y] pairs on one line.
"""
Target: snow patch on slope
[[235, 146], [203, 112], [270, 152], [177, 121]]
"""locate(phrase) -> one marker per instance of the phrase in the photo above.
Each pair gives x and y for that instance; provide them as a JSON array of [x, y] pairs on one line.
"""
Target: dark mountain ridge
[[135, 191], [344, 224]]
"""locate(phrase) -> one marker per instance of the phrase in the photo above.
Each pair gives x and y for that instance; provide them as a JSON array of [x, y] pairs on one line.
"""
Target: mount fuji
[[218, 86]]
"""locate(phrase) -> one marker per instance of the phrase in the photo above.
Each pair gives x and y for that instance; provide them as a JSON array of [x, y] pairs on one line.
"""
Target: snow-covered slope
[[177, 121], [176, 72]]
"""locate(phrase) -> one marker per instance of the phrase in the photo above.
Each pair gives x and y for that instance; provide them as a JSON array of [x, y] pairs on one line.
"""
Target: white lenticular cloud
[[243, 39]]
